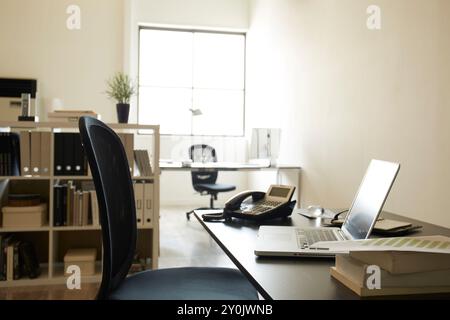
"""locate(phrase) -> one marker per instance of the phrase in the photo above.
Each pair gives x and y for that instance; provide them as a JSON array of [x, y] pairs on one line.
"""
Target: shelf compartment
[[59, 275], [43, 279], [40, 187], [76, 239]]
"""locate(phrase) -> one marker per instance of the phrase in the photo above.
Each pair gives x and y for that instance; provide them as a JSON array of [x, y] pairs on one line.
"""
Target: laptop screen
[[370, 199]]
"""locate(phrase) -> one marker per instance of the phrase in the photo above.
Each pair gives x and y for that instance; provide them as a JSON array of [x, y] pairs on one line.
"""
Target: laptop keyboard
[[306, 237]]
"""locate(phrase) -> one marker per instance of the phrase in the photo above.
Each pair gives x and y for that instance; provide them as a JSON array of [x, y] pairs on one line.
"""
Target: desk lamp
[[194, 113]]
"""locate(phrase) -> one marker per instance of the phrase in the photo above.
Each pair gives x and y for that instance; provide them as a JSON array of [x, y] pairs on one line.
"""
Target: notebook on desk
[[363, 213]]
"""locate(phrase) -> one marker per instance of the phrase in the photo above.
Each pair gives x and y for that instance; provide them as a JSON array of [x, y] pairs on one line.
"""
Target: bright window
[[180, 71]]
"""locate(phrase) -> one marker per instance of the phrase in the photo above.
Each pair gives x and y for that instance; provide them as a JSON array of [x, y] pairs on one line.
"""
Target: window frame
[[190, 30]]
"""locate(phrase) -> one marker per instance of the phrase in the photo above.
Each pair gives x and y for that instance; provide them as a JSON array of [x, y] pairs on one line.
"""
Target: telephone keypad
[[264, 206]]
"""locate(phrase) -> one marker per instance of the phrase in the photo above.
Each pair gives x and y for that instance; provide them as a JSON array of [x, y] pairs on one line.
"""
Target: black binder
[[68, 154], [79, 167], [15, 154], [59, 154], [9, 154]]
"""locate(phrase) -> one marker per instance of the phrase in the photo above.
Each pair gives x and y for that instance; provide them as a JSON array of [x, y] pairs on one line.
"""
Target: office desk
[[223, 166], [287, 278], [232, 166]]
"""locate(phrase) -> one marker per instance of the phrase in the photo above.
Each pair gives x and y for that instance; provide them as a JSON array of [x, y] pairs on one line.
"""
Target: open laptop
[[363, 213]]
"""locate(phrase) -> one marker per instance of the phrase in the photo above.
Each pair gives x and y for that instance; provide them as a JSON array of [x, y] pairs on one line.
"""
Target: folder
[[45, 153], [139, 199], [148, 204], [129, 148], [35, 160], [85, 210], [25, 152], [4, 150], [59, 155], [70, 204], [94, 208], [10, 262], [79, 159], [68, 154]]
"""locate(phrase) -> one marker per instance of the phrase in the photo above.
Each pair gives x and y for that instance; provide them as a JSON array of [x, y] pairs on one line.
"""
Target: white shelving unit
[[50, 241]]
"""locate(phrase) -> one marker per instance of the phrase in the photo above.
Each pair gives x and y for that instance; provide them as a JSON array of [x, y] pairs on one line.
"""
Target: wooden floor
[[183, 243]]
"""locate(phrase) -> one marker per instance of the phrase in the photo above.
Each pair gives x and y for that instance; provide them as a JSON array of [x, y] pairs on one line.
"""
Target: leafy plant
[[120, 88]]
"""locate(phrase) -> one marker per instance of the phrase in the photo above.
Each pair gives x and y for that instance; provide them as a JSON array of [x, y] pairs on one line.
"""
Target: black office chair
[[113, 184], [204, 182]]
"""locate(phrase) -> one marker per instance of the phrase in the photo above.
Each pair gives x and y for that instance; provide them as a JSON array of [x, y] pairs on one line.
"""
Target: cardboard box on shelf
[[25, 217], [83, 258]]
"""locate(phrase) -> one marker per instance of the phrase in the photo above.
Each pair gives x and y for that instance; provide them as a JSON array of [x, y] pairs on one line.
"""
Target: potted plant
[[121, 89]]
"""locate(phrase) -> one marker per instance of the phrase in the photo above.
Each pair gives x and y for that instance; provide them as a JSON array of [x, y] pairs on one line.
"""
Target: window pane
[[165, 58], [222, 112], [219, 61], [167, 107], [179, 70]]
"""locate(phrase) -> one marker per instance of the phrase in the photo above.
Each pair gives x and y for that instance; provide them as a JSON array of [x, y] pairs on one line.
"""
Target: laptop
[[362, 215]]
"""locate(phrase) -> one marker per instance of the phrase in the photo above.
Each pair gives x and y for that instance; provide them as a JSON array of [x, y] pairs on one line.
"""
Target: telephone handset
[[257, 205]]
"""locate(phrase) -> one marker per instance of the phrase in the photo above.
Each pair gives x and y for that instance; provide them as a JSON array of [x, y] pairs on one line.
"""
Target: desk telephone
[[257, 205]]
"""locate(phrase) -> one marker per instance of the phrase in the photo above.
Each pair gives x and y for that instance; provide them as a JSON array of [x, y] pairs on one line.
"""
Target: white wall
[[345, 94], [70, 65], [176, 187]]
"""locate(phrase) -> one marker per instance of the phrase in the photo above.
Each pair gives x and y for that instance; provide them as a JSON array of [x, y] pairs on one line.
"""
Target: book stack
[[70, 115], [17, 259], [400, 272], [9, 154], [143, 162]]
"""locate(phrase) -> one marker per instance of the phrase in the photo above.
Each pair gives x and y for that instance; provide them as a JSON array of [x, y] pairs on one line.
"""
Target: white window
[[183, 71]]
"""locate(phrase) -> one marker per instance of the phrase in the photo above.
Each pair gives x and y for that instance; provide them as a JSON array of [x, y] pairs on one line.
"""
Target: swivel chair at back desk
[[204, 182], [113, 184]]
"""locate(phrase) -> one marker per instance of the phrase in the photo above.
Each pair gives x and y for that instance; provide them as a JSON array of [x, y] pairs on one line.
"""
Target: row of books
[[17, 259], [400, 272], [74, 206]]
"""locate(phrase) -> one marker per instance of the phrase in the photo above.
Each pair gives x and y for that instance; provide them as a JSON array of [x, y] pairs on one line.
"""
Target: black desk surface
[[282, 278]]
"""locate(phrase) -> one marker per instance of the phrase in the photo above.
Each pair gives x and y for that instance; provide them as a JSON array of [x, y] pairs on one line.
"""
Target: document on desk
[[429, 244]]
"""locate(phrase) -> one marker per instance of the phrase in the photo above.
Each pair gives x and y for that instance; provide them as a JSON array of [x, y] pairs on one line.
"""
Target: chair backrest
[[113, 184], [203, 153]]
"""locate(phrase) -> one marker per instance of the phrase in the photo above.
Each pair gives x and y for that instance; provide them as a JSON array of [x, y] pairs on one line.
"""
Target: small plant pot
[[123, 111]]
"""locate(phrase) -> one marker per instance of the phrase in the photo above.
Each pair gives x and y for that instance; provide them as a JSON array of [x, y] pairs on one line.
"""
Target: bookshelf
[[50, 241]]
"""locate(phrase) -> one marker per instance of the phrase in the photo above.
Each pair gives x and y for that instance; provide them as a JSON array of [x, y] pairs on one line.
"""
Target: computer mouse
[[316, 211]]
